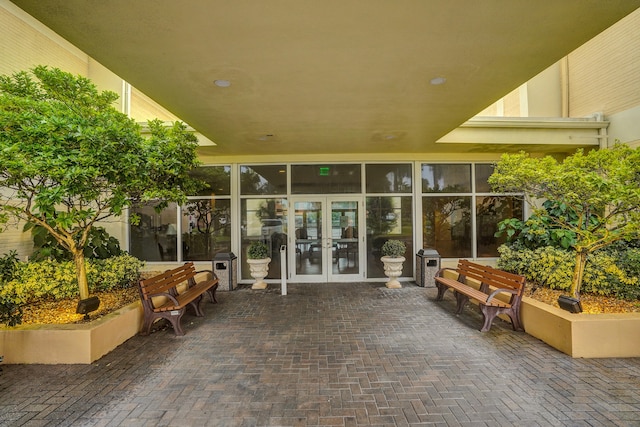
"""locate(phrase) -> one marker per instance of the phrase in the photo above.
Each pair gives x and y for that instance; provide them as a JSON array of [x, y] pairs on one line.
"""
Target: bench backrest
[[167, 281], [491, 276]]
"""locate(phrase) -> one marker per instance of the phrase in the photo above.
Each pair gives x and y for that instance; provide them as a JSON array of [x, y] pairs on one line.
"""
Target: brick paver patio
[[353, 354]]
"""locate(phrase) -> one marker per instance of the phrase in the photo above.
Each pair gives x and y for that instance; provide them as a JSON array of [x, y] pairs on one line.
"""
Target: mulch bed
[[592, 304], [64, 311]]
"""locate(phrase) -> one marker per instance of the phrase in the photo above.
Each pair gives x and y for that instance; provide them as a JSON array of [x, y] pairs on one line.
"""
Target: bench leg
[[489, 313], [146, 325], [441, 290], [195, 305], [212, 293], [175, 322], [462, 300], [173, 317], [514, 315]]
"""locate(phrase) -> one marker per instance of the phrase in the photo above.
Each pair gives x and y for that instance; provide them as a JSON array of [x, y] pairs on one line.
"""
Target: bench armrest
[[501, 290], [440, 273], [162, 294], [213, 274]]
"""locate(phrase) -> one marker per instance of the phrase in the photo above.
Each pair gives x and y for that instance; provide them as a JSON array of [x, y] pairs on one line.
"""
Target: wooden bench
[[167, 295], [492, 282]]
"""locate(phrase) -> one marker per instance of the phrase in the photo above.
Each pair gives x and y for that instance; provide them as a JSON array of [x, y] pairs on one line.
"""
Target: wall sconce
[[85, 306], [570, 304]]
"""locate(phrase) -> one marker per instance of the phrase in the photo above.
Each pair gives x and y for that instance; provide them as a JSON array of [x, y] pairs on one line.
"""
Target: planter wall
[[70, 344], [581, 334]]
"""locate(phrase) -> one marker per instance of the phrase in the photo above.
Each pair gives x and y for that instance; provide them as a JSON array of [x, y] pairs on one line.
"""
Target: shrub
[[10, 312], [258, 250], [54, 280], [553, 267], [8, 265], [393, 248]]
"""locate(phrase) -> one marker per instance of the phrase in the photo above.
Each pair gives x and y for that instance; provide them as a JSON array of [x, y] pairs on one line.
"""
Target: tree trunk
[[578, 273], [81, 272]]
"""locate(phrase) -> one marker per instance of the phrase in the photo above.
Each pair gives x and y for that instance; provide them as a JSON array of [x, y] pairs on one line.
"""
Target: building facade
[[325, 218]]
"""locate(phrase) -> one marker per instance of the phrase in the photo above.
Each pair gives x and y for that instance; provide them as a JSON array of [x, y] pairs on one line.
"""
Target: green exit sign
[[324, 171]]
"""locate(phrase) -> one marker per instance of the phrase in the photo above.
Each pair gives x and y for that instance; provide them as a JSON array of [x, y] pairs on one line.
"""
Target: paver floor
[[351, 354]]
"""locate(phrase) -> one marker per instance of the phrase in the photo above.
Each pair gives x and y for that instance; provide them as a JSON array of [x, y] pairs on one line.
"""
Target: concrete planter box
[[70, 344], [580, 334]]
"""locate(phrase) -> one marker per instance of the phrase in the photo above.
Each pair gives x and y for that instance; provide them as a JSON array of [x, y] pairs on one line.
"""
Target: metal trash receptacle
[[225, 266], [427, 265]]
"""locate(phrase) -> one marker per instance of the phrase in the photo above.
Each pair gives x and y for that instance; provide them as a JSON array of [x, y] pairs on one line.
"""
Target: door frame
[[326, 274]]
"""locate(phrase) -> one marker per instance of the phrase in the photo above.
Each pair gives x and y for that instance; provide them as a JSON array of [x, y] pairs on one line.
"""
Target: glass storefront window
[[446, 225], [155, 238], [218, 178], [446, 178], [388, 217], [263, 179], [326, 179], [388, 178], [206, 228], [483, 172], [490, 210], [264, 220]]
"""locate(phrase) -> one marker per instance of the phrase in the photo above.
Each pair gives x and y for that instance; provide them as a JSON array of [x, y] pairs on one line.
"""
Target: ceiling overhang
[[318, 77]]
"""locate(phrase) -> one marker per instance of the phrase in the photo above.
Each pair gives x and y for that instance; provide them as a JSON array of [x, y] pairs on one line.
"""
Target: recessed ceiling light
[[437, 81], [222, 83]]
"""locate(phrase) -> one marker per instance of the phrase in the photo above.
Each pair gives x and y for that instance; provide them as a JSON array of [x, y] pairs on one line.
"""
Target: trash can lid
[[224, 256], [431, 253]]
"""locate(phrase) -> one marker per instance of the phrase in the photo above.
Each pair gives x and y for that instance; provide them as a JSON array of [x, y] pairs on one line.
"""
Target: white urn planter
[[259, 269], [392, 259], [393, 270]]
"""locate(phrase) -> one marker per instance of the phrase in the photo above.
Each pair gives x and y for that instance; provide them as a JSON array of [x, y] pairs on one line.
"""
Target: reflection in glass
[[483, 172], [218, 178], [388, 217], [344, 236], [308, 246], [263, 179], [155, 238], [388, 178], [447, 225], [490, 210], [264, 220], [326, 179], [206, 229], [446, 178]]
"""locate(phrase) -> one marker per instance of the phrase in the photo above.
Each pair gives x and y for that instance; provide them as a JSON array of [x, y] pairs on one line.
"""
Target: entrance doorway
[[327, 244]]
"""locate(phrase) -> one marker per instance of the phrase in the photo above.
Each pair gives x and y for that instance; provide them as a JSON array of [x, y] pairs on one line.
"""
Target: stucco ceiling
[[327, 76]]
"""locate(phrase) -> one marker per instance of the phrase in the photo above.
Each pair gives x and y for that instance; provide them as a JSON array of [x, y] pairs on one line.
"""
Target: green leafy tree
[[600, 190], [69, 159]]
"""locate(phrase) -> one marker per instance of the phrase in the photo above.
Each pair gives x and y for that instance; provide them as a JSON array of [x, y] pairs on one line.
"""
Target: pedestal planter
[[393, 270], [259, 269]]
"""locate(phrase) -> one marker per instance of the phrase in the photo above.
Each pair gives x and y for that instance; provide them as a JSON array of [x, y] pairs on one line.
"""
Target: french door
[[327, 245]]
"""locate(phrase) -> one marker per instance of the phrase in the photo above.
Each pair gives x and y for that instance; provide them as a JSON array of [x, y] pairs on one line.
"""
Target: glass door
[[326, 245]]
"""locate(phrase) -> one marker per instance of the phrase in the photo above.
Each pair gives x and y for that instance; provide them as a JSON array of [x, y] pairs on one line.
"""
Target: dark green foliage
[[100, 245], [8, 265], [10, 312], [541, 229]]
